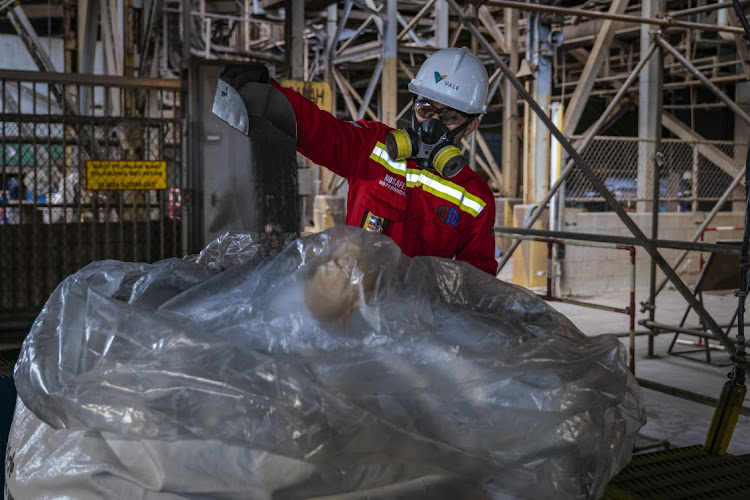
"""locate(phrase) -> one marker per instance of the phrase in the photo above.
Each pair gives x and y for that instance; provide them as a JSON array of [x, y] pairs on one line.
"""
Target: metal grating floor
[[682, 473]]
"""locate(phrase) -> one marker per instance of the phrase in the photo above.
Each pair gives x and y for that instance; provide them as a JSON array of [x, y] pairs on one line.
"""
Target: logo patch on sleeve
[[372, 222], [447, 215]]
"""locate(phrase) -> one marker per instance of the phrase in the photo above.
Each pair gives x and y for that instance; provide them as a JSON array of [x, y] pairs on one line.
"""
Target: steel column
[[536, 167], [389, 79], [295, 20], [442, 24], [510, 109], [649, 121]]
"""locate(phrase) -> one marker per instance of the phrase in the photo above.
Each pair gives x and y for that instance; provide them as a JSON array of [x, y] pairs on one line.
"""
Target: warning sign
[[121, 175], [319, 92]]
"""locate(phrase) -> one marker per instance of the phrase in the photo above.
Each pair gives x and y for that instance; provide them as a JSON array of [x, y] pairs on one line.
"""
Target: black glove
[[238, 74]]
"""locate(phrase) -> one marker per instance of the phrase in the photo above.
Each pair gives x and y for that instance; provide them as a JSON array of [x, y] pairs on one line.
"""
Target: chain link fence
[[51, 224], [694, 175]]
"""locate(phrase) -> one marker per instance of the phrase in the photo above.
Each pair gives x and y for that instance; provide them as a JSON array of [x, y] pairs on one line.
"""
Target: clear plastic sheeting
[[347, 368]]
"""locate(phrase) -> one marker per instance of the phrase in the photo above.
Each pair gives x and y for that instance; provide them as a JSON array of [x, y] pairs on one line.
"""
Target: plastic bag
[[430, 369]]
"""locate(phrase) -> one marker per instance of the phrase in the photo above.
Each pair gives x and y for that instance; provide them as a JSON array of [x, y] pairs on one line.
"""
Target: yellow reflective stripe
[[442, 188], [380, 155], [430, 182]]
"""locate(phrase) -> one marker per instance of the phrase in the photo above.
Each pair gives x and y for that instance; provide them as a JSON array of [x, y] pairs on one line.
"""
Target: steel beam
[[415, 19], [591, 69], [28, 35], [365, 101], [350, 106], [663, 22], [623, 240], [712, 153]]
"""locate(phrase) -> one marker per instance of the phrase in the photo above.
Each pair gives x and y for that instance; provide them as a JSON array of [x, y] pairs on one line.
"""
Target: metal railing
[[51, 225], [693, 172]]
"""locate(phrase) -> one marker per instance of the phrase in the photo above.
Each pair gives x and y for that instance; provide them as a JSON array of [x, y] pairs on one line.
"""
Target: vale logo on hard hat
[[439, 78]]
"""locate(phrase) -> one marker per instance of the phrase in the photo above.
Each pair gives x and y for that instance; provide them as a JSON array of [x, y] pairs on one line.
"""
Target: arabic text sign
[[121, 175]]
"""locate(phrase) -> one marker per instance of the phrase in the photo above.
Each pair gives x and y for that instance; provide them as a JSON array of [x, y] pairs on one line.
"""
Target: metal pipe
[[655, 325], [708, 105], [589, 14], [631, 310], [621, 240], [705, 8], [682, 393], [415, 19], [582, 146], [713, 88], [673, 85], [369, 9], [339, 29], [354, 35], [591, 305], [85, 79], [370, 89], [620, 76], [656, 183], [360, 53]]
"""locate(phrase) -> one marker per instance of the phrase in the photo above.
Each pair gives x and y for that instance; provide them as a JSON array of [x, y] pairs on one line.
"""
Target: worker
[[412, 185]]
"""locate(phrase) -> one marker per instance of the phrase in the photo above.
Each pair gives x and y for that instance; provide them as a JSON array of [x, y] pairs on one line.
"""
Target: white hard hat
[[453, 77]]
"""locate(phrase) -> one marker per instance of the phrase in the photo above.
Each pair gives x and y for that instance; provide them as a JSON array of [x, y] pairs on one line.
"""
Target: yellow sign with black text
[[123, 175], [318, 92]]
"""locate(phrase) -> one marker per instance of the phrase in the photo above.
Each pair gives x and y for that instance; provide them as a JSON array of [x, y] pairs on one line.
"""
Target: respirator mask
[[430, 142]]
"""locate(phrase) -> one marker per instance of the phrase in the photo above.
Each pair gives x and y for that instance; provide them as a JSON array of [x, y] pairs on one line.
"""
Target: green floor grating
[[682, 474]]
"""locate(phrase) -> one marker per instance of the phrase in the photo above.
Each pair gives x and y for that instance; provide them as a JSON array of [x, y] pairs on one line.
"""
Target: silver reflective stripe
[[382, 154], [449, 190], [432, 183]]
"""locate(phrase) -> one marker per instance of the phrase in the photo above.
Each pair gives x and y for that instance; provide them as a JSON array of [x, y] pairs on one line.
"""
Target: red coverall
[[421, 211]]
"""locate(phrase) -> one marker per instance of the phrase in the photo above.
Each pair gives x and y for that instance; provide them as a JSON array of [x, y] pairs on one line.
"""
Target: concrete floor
[[681, 422]]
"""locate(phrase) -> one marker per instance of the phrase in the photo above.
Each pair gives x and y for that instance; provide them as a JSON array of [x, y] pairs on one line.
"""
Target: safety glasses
[[449, 116]]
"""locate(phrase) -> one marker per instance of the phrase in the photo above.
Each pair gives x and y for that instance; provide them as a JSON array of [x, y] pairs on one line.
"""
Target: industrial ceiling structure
[[576, 53]]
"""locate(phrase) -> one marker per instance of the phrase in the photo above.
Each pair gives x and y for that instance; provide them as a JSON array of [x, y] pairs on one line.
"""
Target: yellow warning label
[[319, 92], [121, 175]]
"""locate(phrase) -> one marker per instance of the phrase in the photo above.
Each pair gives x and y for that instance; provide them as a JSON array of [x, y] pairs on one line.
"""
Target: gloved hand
[[238, 74]]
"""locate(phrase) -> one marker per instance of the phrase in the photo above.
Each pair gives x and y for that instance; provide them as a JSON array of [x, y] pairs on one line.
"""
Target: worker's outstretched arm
[[321, 137], [325, 139]]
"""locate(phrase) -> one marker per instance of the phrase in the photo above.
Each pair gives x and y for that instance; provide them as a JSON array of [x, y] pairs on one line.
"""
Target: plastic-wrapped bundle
[[339, 359]]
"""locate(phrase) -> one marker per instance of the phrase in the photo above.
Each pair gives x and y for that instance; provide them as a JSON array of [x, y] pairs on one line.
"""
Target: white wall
[[587, 271], [14, 55]]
